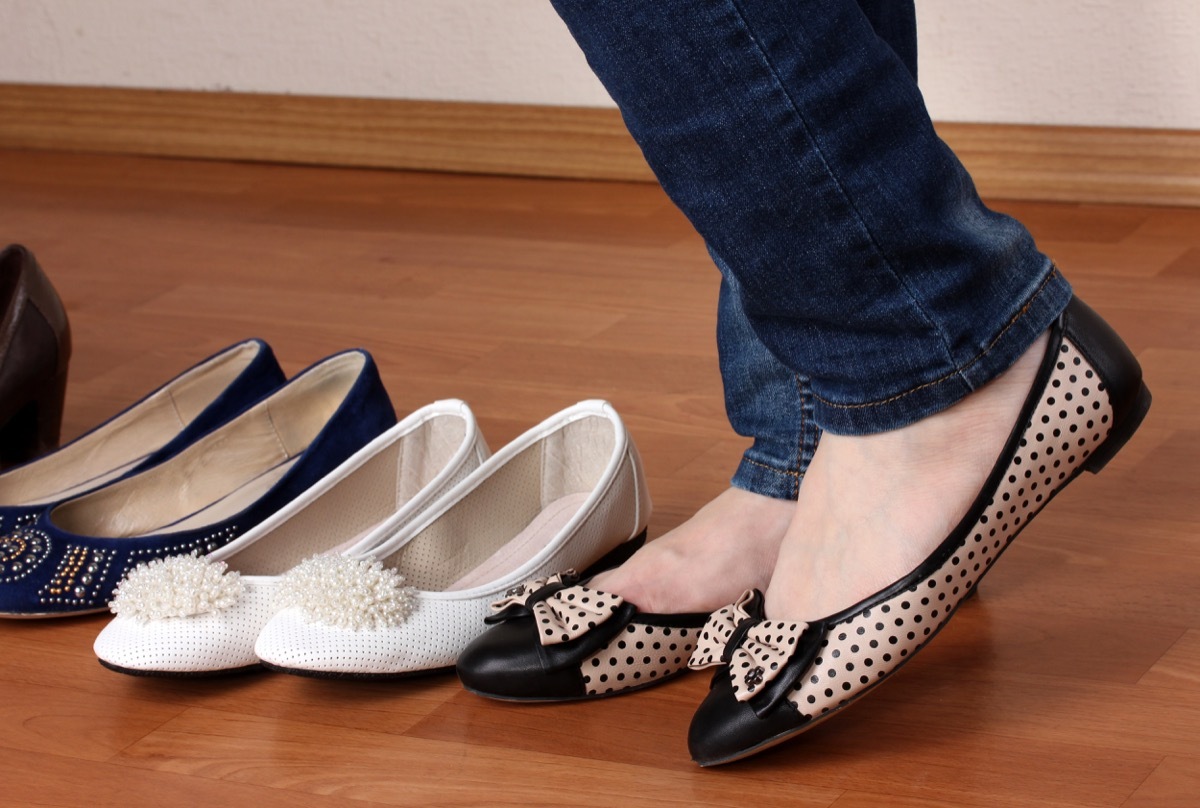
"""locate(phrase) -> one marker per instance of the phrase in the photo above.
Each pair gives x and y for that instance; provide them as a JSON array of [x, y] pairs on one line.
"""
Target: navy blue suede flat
[[142, 435], [70, 557]]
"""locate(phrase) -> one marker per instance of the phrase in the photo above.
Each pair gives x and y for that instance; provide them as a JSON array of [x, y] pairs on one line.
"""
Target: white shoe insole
[[526, 544]]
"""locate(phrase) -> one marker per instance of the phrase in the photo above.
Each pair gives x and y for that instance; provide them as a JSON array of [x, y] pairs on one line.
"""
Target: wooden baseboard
[[1138, 166]]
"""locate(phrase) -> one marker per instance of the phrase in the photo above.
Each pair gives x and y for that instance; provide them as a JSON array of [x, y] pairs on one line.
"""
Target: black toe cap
[[725, 729], [505, 662]]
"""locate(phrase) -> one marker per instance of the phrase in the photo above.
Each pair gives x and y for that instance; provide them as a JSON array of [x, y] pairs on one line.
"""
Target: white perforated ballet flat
[[566, 493], [201, 615]]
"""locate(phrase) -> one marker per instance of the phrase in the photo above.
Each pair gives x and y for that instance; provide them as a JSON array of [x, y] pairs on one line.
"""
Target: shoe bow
[[563, 610], [520, 594], [754, 649]]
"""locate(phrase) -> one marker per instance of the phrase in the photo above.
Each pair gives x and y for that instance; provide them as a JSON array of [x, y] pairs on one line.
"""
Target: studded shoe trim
[[84, 577], [22, 552], [78, 581]]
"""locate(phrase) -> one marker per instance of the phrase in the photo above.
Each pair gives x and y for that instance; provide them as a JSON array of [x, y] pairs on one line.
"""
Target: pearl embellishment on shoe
[[179, 586], [352, 593]]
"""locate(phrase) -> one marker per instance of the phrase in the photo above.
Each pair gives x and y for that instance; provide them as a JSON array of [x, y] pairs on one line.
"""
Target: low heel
[[34, 429], [1121, 432], [616, 556]]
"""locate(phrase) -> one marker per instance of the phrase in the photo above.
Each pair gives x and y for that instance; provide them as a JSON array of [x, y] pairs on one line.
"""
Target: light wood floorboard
[[1073, 680]]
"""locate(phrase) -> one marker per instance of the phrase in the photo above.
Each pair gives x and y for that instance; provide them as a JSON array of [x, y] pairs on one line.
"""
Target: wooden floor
[[1074, 680]]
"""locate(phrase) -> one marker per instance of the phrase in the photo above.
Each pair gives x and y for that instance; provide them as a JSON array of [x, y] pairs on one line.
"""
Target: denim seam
[[800, 444], [845, 194], [768, 467], [957, 371]]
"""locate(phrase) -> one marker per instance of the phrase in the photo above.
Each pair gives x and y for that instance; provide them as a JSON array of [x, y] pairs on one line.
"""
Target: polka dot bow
[[763, 651], [565, 615], [570, 613]]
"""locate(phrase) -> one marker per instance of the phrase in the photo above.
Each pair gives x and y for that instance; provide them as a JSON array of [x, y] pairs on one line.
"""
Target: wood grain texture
[[1174, 784], [1072, 680], [1078, 164], [489, 138], [1180, 666]]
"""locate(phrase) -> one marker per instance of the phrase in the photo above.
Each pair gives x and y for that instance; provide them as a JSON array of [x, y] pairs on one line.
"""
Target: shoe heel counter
[[480, 449], [367, 410], [262, 376], [645, 506], [1117, 367]]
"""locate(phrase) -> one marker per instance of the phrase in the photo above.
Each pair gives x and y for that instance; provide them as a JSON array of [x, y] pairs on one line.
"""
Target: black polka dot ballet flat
[[555, 639], [777, 679]]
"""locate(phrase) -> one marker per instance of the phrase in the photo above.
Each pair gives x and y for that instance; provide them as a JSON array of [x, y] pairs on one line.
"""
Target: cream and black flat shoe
[[779, 678], [557, 639]]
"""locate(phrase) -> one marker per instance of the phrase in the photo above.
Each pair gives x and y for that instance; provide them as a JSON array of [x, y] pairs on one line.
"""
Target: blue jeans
[[865, 285]]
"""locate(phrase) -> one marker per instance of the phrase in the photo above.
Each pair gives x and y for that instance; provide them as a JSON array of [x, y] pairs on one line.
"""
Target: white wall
[[1085, 62]]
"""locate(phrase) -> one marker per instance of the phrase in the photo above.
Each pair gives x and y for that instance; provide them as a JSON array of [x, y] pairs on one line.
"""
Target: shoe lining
[[526, 544], [474, 530], [232, 503], [115, 447], [219, 465], [342, 515], [83, 486]]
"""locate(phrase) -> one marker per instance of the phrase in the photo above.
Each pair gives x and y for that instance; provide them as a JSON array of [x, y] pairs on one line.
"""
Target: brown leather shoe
[[35, 347]]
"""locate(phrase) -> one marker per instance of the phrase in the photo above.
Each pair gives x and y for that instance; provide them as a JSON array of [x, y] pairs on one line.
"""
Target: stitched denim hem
[[760, 478], [1031, 319]]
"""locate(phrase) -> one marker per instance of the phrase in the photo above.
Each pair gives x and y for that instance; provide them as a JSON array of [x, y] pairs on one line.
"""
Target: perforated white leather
[[583, 447], [366, 500], [215, 641]]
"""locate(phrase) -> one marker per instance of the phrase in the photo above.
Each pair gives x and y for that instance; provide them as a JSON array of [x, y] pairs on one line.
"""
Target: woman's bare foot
[[727, 547], [873, 507]]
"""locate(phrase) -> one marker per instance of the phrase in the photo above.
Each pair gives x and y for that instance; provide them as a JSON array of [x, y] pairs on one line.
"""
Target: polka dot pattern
[[1072, 419], [572, 612], [639, 655], [710, 647], [761, 656]]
